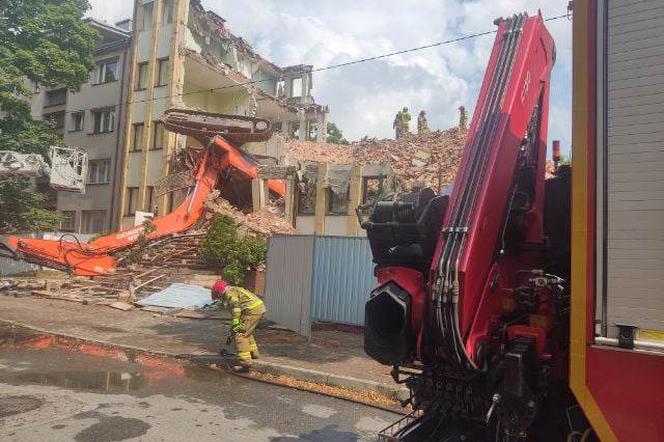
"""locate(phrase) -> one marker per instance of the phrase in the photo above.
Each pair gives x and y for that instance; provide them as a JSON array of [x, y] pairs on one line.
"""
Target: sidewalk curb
[[273, 368]]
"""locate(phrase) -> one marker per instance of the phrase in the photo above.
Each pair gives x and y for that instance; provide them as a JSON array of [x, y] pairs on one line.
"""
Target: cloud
[[364, 98]]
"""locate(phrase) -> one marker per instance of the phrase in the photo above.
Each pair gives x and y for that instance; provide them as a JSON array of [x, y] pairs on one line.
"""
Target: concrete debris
[[121, 306], [430, 158], [264, 222]]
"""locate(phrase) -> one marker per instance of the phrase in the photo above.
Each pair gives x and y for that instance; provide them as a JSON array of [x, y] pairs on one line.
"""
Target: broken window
[[141, 76], [162, 72], [337, 204], [280, 89], [296, 87], [373, 189], [277, 127]]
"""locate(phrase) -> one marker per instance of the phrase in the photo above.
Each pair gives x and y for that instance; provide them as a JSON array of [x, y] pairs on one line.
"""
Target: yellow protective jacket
[[241, 300]]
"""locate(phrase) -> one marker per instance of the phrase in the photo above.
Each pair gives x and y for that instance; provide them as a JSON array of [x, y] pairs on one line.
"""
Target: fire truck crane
[[220, 134], [472, 303], [519, 308]]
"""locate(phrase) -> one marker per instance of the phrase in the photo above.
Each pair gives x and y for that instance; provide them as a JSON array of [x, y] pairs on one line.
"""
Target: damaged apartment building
[[185, 57]]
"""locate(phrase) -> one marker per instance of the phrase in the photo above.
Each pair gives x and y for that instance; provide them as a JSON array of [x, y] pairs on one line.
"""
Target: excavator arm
[[220, 134], [466, 311]]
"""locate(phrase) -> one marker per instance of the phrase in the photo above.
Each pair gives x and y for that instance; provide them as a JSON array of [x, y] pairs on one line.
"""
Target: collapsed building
[[186, 57], [327, 182]]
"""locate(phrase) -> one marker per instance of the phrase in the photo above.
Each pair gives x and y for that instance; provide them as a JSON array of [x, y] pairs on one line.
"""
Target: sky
[[364, 98]]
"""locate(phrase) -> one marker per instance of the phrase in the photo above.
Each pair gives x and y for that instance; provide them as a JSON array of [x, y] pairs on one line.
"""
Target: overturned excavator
[[471, 308], [222, 135]]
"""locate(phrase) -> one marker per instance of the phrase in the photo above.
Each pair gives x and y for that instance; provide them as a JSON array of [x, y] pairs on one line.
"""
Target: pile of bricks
[[429, 159]]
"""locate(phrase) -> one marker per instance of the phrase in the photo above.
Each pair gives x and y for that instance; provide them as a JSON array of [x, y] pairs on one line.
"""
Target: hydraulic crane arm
[[465, 302], [502, 167], [212, 130]]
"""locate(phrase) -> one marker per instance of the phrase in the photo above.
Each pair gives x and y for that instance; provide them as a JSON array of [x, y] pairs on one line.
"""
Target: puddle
[[13, 405], [98, 382]]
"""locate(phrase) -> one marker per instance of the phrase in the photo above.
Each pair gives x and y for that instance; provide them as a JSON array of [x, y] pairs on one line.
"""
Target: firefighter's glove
[[236, 325]]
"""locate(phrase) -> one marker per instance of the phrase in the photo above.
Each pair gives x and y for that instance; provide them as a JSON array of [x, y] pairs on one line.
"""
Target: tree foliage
[[47, 43], [228, 253], [335, 135]]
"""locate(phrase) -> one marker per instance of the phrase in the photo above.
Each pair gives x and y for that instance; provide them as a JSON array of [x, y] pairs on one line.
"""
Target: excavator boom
[[213, 131]]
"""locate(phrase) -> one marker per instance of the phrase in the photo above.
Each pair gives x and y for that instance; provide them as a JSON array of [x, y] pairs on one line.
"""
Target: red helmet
[[219, 287]]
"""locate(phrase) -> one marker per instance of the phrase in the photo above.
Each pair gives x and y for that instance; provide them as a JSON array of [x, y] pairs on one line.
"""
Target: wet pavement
[[56, 391]]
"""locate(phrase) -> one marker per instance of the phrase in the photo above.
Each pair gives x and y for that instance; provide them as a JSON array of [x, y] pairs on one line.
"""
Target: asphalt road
[[57, 395]]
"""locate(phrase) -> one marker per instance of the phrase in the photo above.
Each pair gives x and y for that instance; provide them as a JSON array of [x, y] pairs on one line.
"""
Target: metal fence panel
[[10, 267], [288, 281], [342, 279]]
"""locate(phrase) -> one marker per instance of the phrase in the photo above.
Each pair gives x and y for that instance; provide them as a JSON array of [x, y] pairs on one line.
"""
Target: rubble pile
[[315, 152], [265, 222], [430, 159]]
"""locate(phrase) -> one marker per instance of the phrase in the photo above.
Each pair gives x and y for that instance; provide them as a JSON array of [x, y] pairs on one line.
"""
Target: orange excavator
[[220, 134]]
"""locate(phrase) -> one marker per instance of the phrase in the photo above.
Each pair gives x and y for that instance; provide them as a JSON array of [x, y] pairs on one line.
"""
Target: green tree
[[48, 43], [335, 135], [228, 253]]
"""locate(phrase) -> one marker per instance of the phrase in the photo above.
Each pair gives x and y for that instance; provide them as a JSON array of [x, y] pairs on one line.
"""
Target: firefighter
[[422, 123], [246, 310], [397, 125]]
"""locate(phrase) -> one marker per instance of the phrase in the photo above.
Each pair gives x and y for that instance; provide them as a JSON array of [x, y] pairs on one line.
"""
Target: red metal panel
[[627, 386]]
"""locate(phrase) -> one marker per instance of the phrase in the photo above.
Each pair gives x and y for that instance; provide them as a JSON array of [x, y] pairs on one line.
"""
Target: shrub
[[228, 253]]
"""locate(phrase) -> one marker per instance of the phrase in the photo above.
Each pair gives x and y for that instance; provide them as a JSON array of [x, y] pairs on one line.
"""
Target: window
[[167, 14], [162, 72], [93, 221], [337, 204], [56, 118], [77, 121], [277, 127], [142, 76], [137, 140], [296, 87], [68, 224], [107, 71], [158, 136], [152, 199], [373, 189], [103, 121], [99, 172], [57, 97], [132, 200], [144, 17]]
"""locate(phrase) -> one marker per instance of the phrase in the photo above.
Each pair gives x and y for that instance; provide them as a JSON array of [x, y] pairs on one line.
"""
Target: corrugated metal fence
[[288, 281], [317, 278], [342, 279]]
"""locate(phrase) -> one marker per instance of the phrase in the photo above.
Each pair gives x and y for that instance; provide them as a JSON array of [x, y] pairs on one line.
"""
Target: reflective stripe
[[244, 355], [253, 305]]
